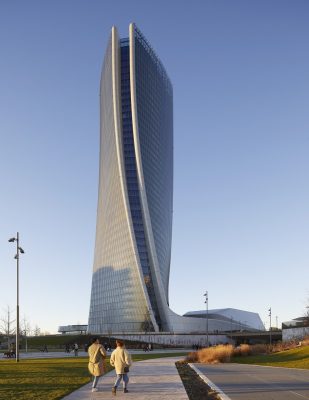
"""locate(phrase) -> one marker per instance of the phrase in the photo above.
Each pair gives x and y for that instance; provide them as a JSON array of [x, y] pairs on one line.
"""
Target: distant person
[[121, 360], [97, 356], [12, 351], [45, 350], [67, 348], [75, 348]]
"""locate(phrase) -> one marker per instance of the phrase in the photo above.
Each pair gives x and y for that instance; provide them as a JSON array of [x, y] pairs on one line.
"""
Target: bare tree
[[25, 327], [36, 331], [25, 330], [7, 327]]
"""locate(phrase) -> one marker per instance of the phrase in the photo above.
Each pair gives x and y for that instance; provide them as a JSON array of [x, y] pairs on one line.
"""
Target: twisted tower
[[135, 199]]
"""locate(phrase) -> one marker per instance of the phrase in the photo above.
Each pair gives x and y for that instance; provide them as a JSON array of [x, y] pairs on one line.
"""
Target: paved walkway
[[62, 354], [255, 382], [155, 379]]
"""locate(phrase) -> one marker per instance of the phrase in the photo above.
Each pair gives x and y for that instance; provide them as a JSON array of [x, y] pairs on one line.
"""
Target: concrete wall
[[183, 340], [294, 333]]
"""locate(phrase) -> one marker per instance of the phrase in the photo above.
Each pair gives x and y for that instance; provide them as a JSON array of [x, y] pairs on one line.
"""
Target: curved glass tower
[[134, 215]]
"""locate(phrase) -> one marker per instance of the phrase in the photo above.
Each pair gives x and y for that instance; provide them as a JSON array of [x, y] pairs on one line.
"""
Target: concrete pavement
[[155, 379], [255, 382], [62, 354]]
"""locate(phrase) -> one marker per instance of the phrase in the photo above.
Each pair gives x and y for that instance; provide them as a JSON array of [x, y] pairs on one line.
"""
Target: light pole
[[269, 325], [206, 302], [18, 250]]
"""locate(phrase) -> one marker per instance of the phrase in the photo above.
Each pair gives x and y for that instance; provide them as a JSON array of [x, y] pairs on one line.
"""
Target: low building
[[296, 329], [73, 329], [229, 319]]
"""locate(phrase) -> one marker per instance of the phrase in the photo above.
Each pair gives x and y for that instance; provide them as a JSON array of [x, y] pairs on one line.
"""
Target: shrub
[[305, 342], [212, 355], [192, 357], [259, 349], [223, 353], [246, 350]]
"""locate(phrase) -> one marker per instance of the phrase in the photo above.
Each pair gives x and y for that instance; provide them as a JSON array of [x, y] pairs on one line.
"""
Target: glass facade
[[125, 295], [154, 98], [118, 301], [131, 178]]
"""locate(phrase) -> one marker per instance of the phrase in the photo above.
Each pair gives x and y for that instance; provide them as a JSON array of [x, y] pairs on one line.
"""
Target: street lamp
[[206, 302], [18, 250], [269, 325]]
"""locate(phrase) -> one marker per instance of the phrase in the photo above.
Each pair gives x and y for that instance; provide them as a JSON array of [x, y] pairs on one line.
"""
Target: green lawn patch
[[295, 358], [50, 378]]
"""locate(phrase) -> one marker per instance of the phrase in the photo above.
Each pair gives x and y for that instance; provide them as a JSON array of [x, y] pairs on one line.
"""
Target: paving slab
[[154, 379]]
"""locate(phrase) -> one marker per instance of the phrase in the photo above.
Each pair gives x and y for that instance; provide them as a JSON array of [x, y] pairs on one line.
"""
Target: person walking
[[97, 356], [75, 348], [121, 360]]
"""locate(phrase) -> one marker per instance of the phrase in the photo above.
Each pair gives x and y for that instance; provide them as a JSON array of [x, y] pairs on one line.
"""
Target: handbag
[[126, 370]]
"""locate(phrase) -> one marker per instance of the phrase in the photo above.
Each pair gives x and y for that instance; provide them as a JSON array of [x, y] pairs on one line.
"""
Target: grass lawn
[[295, 358], [52, 378]]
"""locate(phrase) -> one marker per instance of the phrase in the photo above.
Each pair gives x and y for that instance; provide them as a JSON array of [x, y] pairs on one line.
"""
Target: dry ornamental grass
[[212, 355], [292, 354]]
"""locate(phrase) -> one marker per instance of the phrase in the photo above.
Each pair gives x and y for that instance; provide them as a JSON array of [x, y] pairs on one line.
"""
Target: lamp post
[[206, 302], [18, 251], [269, 325]]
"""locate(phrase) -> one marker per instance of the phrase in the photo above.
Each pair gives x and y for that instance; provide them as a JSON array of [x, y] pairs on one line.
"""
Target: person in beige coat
[[121, 360], [97, 356]]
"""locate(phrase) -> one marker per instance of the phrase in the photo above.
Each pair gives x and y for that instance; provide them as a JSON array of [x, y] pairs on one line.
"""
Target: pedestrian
[[12, 351], [121, 360], [97, 356], [75, 348]]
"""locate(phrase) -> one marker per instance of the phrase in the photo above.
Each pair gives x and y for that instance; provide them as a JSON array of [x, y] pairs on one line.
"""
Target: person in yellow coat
[[121, 360], [97, 356]]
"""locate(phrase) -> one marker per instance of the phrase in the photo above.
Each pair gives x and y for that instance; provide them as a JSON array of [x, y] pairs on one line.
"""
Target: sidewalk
[[154, 379], [81, 353]]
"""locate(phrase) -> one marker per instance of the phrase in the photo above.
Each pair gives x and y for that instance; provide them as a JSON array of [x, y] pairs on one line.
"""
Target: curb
[[208, 382]]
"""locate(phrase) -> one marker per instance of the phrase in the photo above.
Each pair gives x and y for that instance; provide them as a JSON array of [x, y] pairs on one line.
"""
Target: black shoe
[[125, 391], [114, 391]]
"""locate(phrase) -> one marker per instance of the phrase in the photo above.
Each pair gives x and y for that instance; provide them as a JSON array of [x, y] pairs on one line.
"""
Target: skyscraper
[[135, 200]]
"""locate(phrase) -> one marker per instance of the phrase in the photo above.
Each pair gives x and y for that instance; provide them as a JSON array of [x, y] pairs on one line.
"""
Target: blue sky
[[240, 72]]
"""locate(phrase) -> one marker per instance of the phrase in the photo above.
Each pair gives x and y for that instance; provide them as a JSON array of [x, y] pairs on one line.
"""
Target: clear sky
[[240, 72]]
